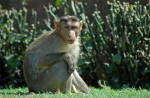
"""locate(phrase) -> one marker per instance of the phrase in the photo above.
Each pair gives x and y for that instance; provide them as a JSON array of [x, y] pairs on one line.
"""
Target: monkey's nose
[[71, 35]]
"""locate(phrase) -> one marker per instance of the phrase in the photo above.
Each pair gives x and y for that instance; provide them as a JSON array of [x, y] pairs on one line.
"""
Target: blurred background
[[115, 40]]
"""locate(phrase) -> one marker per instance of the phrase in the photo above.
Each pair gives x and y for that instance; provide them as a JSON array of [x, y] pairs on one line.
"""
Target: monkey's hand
[[70, 63]]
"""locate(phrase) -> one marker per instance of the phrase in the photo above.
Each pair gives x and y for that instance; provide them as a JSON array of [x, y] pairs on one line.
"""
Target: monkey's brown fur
[[50, 61]]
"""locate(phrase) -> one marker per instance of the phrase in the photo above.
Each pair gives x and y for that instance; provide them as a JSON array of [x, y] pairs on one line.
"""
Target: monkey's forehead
[[74, 18]]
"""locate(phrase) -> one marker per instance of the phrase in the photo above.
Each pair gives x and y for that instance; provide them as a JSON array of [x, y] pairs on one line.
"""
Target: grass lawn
[[96, 93]]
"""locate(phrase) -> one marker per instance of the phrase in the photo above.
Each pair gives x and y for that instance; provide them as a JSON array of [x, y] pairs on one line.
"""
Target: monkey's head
[[68, 28]]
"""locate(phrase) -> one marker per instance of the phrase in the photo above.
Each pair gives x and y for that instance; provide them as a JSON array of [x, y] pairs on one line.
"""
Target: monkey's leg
[[67, 85], [79, 83], [74, 89], [54, 79]]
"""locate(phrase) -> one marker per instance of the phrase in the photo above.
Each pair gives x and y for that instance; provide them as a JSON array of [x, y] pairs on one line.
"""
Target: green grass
[[96, 93]]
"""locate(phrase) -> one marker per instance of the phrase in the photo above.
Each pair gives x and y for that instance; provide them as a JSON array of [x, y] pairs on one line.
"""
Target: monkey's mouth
[[70, 41]]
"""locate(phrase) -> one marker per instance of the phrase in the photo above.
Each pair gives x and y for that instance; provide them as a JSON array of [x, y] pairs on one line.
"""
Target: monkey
[[50, 60]]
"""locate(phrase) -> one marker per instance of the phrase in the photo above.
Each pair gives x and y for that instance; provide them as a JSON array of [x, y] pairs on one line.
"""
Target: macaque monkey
[[50, 60]]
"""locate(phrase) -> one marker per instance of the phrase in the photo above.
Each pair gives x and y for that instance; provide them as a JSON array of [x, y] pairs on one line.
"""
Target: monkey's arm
[[52, 58]]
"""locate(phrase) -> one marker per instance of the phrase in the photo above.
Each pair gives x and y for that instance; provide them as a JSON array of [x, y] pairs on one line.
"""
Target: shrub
[[119, 50], [122, 48], [15, 36]]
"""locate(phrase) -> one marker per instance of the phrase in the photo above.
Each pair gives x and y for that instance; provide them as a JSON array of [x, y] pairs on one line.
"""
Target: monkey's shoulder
[[37, 43]]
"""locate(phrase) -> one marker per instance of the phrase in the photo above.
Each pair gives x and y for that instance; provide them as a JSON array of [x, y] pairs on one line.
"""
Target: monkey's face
[[69, 28]]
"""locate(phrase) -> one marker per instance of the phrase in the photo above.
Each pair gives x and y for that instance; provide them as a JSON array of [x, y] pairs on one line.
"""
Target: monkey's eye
[[74, 20], [73, 27], [64, 20], [67, 27]]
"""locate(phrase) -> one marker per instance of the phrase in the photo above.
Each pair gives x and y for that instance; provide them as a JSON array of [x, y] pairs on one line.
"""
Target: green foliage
[[128, 49], [121, 47], [15, 36], [58, 2], [130, 26]]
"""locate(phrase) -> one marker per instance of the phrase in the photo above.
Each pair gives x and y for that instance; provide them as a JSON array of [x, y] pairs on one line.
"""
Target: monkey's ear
[[80, 25], [56, 24]]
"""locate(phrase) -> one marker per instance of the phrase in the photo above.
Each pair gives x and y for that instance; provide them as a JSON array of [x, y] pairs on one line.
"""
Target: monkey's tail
[[79, 83]]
